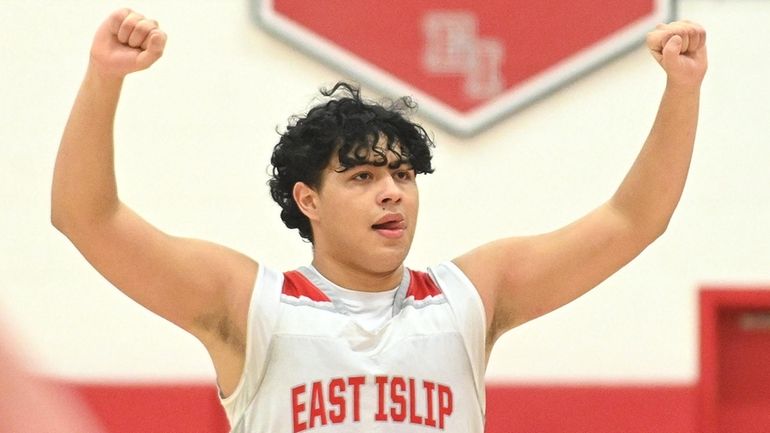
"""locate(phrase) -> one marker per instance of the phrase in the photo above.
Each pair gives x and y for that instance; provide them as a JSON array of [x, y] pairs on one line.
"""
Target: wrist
[[102, 78], [683, 88]]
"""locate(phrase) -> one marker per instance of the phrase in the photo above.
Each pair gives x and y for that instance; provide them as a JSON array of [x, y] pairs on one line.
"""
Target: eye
[[362, 176], [404, 175]]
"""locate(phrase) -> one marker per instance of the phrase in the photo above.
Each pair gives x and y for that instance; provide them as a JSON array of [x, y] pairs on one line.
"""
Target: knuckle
[[127, 25], [122, 14], [143, 26], [131, 21]]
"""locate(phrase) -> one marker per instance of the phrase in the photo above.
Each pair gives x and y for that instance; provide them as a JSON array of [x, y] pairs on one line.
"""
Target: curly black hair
[[352, 127]]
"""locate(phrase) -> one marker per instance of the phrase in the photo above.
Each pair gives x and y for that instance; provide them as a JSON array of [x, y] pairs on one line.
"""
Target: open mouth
[[391, 226]]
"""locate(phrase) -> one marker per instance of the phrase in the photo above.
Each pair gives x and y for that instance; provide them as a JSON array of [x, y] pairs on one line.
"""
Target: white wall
[[194, 137]]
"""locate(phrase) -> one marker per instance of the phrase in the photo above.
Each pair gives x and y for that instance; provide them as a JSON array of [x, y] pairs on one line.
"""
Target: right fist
[[126, 42]]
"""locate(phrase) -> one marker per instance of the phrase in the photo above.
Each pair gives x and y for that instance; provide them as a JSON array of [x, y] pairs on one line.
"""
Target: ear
[[306, 199]]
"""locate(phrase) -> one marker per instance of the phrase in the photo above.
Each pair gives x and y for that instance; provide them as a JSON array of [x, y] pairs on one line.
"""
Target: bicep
[[192, 283], [525, 277]]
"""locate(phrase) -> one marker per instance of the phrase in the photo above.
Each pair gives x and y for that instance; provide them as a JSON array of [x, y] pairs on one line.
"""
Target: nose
[[389, 191]]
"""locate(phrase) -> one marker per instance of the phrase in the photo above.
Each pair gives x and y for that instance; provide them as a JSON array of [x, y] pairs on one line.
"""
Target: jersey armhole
[[478, 302], [261, 318], [468, 310]]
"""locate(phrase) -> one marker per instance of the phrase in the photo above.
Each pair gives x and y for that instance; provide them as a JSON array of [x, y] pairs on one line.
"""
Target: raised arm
[[201, 287], [522, 278]]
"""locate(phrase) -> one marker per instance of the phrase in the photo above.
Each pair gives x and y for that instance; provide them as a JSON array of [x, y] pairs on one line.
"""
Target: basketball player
[[355, 341]]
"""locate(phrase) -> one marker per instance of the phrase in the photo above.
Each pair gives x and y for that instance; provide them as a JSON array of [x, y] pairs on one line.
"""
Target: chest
[[324, 369]]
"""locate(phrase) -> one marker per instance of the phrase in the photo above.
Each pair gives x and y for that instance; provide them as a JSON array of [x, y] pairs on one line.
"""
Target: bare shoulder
[[522, 278], [197, 285], [491, 267]]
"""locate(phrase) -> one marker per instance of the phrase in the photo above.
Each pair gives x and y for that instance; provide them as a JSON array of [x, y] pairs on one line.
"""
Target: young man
[[356, 342]]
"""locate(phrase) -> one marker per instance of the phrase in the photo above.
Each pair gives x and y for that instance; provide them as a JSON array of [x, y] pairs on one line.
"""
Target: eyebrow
[[341, 168]]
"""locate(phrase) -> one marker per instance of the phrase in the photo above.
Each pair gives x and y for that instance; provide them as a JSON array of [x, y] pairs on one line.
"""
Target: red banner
[[468, 63]]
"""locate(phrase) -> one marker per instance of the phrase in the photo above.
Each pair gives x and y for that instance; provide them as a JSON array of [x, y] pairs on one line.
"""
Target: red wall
[[188, 408], [154, 408], [590, 409]]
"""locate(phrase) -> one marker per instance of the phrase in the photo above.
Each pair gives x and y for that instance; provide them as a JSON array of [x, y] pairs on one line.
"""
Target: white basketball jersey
[[311, 368]]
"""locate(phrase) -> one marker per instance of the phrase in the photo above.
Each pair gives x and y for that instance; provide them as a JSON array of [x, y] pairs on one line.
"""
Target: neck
[[351, 276]]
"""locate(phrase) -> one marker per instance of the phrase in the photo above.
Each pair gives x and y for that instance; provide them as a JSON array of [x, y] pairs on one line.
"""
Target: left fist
[[680, 48]]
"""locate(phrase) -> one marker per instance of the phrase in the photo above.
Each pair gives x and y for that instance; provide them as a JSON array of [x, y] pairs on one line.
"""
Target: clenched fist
[[126, 42], [680, 48]]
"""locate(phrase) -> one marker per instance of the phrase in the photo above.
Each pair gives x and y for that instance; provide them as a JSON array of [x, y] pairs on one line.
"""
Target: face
[[364, 217]]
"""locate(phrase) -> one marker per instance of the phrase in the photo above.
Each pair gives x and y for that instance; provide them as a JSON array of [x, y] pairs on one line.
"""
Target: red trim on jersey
[[295, 285], [421, 286]]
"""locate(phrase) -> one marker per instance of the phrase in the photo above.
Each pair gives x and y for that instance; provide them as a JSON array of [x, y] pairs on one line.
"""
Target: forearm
[[84, 186], [652, 188]]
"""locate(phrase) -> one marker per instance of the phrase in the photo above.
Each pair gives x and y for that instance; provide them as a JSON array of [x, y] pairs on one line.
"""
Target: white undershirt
[[371, 310]]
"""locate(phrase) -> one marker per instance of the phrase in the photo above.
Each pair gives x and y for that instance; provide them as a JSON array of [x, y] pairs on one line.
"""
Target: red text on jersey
[[399, 400]]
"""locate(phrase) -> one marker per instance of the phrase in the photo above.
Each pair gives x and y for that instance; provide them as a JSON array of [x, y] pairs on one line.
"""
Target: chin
[[390, 259]]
